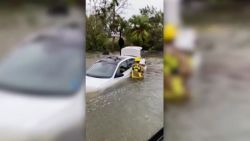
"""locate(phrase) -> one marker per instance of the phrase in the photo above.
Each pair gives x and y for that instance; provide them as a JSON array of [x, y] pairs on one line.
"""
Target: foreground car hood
[[24, 114]]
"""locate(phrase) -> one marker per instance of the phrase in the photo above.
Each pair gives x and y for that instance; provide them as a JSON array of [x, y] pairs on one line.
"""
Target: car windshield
[[43, 68], [101, 70]]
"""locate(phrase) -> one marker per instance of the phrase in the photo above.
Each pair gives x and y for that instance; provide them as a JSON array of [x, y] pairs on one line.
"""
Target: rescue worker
[[176, 67], [137, 69]]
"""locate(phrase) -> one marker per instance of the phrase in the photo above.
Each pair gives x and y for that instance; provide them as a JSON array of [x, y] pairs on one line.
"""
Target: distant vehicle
[[42, 89], [112, 70]]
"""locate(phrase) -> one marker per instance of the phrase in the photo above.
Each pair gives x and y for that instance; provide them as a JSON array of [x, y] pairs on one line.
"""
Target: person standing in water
[[176, 67], [121, 42], [137, 69]]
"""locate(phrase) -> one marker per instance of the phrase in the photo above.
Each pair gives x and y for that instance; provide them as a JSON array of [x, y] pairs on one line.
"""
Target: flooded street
[[220, 106], [131, 112]]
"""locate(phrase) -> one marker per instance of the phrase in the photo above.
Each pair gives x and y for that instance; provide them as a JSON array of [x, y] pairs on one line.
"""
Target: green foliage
[[143, 30], [109, 45], [108, 11], [95, 37], [146, 29], [138, 32]]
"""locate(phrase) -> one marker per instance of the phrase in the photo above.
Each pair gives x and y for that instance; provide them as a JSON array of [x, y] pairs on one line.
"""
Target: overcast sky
[[135, 5]]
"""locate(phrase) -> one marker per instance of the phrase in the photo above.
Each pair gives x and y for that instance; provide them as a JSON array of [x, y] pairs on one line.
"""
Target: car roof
[[114, 59]]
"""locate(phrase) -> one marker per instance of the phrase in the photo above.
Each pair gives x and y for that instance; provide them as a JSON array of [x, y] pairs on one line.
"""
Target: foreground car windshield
[[102, 70], [43, 68]]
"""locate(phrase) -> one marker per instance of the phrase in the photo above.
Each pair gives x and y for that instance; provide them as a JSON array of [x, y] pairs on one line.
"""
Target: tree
[[156, 22], [148, 11], [144, 29], [95, 35], [139, 29], [108, 12]]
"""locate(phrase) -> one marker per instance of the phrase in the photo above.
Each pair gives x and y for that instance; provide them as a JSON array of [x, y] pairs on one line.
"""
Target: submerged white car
[[42, 89], [110, 71]]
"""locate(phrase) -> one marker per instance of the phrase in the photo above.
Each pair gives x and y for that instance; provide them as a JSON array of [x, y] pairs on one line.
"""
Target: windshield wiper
[[158, 136], [37, 92], [95, 76]]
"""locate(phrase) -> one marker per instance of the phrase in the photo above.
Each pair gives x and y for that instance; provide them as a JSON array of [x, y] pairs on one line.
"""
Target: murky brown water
[[131, 112]]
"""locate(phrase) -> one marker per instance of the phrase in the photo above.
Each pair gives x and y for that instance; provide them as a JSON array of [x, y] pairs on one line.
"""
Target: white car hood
[[20, 112], [95, 84]]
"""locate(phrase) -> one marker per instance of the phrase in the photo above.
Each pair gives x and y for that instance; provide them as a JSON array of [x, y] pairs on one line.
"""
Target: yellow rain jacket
[[137, 71], [171, 69]]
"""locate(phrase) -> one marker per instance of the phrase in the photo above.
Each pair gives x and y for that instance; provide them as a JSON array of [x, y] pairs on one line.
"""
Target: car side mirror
[[119, 75]]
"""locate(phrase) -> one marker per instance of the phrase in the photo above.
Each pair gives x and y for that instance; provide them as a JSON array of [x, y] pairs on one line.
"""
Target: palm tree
[[139, 28]]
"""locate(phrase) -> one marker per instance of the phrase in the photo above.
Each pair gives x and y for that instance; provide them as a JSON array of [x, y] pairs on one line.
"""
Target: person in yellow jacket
[[137, 69], [177, 68]]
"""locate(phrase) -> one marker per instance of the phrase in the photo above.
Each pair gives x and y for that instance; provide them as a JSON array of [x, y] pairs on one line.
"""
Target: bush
[[109, 43]]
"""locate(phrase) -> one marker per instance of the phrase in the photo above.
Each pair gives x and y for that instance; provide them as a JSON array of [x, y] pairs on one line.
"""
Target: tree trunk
[[113, 43]]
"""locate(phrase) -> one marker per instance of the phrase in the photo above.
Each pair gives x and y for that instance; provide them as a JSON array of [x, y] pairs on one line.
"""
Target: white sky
[[135, 5]]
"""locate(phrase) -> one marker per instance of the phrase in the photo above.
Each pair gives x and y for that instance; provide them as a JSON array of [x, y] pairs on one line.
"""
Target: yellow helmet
[[137, 59], [170, 32]]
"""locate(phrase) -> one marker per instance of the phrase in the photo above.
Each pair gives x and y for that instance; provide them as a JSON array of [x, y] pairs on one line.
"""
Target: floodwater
[[219, 109], [131, 112]]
